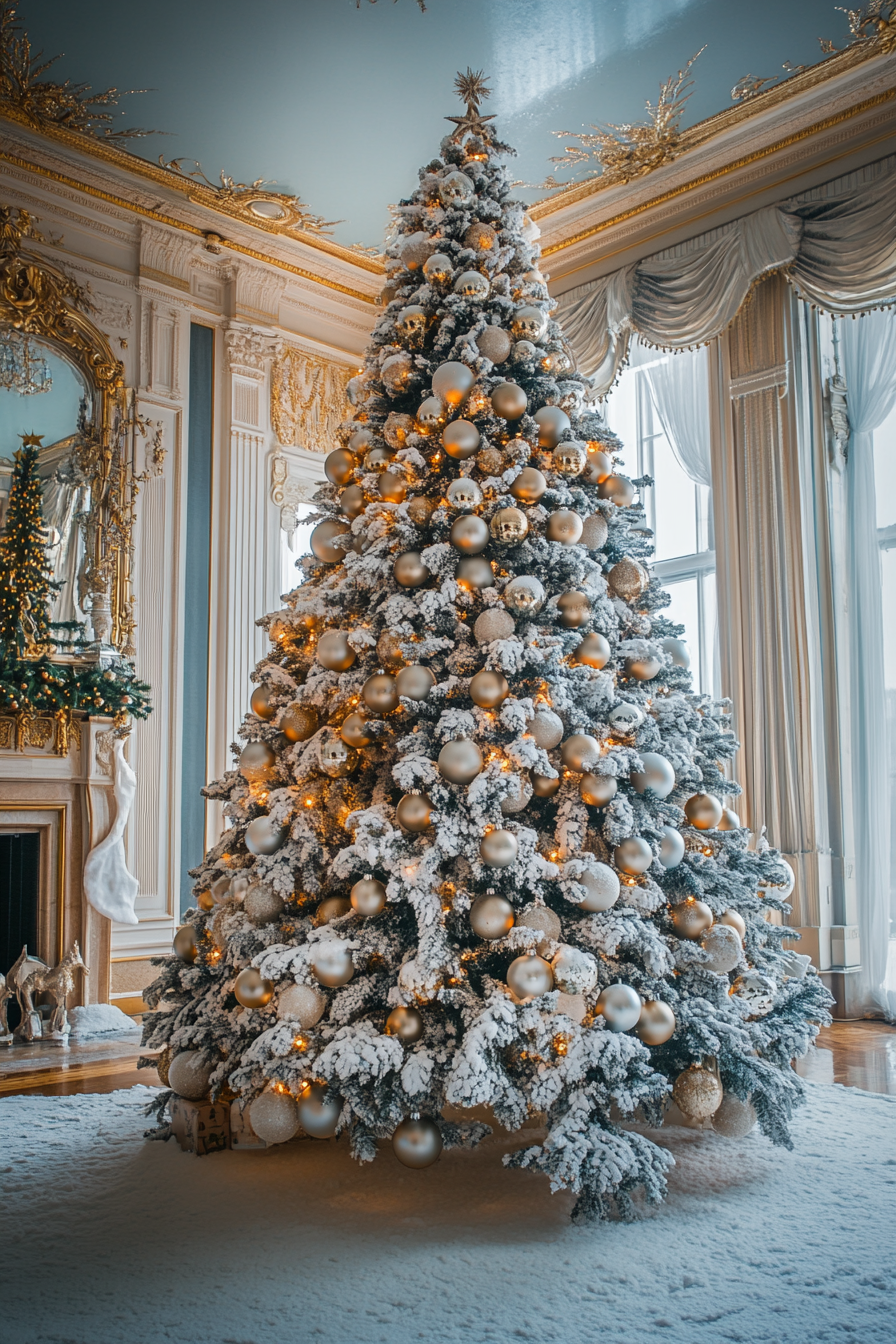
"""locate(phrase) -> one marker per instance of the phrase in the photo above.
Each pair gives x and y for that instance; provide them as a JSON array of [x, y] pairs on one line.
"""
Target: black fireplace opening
[[19, 896]]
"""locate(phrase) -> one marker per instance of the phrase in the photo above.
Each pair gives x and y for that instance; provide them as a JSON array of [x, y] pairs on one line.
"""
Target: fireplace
[[19, 899]]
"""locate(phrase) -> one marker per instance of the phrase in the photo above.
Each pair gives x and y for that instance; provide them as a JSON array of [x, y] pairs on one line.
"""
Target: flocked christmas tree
[[477, 852], [25, 573]]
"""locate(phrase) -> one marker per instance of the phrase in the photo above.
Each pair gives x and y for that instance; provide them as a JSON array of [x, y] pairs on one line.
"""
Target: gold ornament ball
[[330, 540], [378, 459], [405, 1023], [261, 704], [598, 461], [730, 820], [452, 381], [530, 976], [697, 1093], [642, 669], [509, 401], [335, 757], [189, 1074], [417, 1143], [480, 237], [499, 849], [488, 689], [617, 488], [573, 609], [205, 901], [494, 623], [597, 790], [620, 1006], [491, 917], [334, 651], [396, 372], [411, 322], [471, 285], [524, 595], [460, 761], [361, 440], [257, 761], [331, 961], [565, 526], [474, 571], [298, 723], [656, 1023], [579, 752], [319, 1112], [628, 579], [339, 466], [415, 682], [570, 458], [463, 494], [552, 425], [380, 693], [421, 509], [469, 534], [355, 732], [735, 920], [368, 897], [334, 907], [274, 1116], [163, 1063], [410, 571], [414, 812], [595, 532], [703, 811], [351, 501], [543, 920], [529, 486], [185, 943], [438, 269], [494, 343], [633, 856], [263, 905], [509, 526], [657, 774], [388, 651], [691, 918], [594, 651], [431, 414], [529, 323], [392, 487], [252, 990], [544, 786], [264, 836], [460, 439], [303, 1002]]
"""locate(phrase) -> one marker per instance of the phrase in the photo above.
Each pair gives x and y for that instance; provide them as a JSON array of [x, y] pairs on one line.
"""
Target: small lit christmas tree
[[25, 574], [478, 853]]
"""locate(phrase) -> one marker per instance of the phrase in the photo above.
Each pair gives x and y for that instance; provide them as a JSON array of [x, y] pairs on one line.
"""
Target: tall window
[[885, 498], [293, 547], [659, 408]]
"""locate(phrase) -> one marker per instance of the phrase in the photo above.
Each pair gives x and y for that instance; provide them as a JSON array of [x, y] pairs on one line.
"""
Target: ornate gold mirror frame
[[37, 299]]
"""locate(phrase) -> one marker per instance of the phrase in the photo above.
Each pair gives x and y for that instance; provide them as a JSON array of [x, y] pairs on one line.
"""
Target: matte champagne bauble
[[697, 1093], [580, 752], [430, 414], [704, 811], [488, 689], [724, 947], [730, 820], [274, 1116], [620, 1006], [452, 381], [602, 888], [474, 571], [380, 693], [599, 461], [677, 650], [460, 439], [396, 371], [656, 1023], [414, 682], [438, 268], [594, 651], [471, 285], [331, 961], [469, 534], [351, 501], [361, 440], [405, 1023], [597, 790], [509, 526], [257, 761], [334, 651], [368, 897], [735, 920], [628, 579], [305, 1003], [319, 1112], [519, 796], [417, 1143], [642, 669], [264, 836], [494, 343], [220, 889], [499, 849], [414, 812], [261, 704], [544, 786], [657, 775], [339, 466], [509, 401], [355, 731], [529, 486], [494, 623], [529, 323], [569, 458], [330, 540], [185, 943], [565, 526], [251, 989], [460, 761], [755, 992], [595, 532], [334, 907], [734, 1118], [298, 723], [617, 488], [263, 905], [335, 757], [543, 920], [573, 609], [491, 917], [411, 322], [552, 425], [529, 976], [691, 918], [420, 510], [524, 595], [392, 487], [410, 571], [633, 856], [671, 847], [189, 1074]]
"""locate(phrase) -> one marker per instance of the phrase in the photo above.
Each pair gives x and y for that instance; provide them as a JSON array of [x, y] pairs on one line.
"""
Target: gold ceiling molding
[[308, 399]]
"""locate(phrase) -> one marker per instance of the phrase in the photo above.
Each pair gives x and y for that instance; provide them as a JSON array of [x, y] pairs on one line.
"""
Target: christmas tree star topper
[[472, 88]]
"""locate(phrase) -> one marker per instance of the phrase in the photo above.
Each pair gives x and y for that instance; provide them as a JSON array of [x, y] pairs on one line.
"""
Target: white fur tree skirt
[[108, 1238]]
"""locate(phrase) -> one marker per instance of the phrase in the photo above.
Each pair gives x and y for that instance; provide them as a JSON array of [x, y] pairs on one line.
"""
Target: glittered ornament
[[368, 897], [455, 188], [405, 1023], [656, 1025], [509, 526], [671, 847], [724, 948], [620, 1006], [490, 461], [355, 731], [494, 623], [251, 989], [257, 762], [543, 920], [452, 381], [335, 757], [261, 704], [430, 414], [628, 579], [494, 343], [305, 1003], [415, 682], [499, 849], [735, 920], [691, 918], [755, 992], [331, 961], [524, 595], [262, 904], [602, 888], [573, 609], [414, 812], [518, 799], [411, 323], [339, 466], [189, 1074], [463, 494], [552, 425], [703, 811], [438, 268], [298, 723], [330, 540], [528, 323], [351, 501], [471, 285], [380, 693], [274, 1116], [264, 836], [530, 976], [460, 761], [488, 689], [633, 856], [595, 532], [697, 1092], [460, 439], [480, 237], [474, 571], [319, 1111], [491, 917], [594, 651], [544, 786], [392, 487], [579, 752], [185, 943], [410, 571], [597, 790], [509, 401], [617, 488], [529, 486], [334, 651], [565, 526], [397, 428], [642, 669], [420, 509], [657, 775], [677, 651], [734, 1118], [569, 458], [417, 1143], [469, 534], [546, 728]]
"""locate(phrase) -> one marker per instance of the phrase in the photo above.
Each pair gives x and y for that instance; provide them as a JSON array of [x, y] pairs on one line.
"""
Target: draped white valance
[[835, 243]]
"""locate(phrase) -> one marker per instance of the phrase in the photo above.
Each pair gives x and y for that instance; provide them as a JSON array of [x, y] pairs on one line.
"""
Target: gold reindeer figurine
[[58, 982]]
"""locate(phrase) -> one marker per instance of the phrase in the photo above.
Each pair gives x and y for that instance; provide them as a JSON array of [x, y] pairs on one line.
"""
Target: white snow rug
[[108, 1239]]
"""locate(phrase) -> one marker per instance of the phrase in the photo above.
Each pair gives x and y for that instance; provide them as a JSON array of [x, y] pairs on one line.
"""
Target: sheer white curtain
[[868, 353], [679, 390]]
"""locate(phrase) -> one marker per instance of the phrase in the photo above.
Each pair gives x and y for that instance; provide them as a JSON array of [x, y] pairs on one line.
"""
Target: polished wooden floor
[[856, 1054]]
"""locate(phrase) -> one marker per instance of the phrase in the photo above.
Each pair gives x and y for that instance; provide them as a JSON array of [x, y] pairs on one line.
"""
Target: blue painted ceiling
[[341, 104]]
